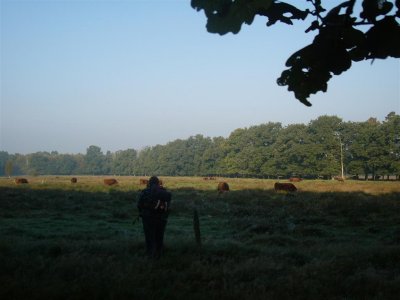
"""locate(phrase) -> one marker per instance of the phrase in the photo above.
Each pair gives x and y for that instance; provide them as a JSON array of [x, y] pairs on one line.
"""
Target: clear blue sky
[[129, 74]]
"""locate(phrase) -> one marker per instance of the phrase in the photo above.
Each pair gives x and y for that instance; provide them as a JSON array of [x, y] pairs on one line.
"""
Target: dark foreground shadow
[[256, 244]]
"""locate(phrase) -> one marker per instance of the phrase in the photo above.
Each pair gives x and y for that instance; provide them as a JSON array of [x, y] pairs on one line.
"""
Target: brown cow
[[339, 178], [146, 182], [295, 179], [223, 187], [20, 180], [287, 187], [74, 180], [110, 181], [143, 181]]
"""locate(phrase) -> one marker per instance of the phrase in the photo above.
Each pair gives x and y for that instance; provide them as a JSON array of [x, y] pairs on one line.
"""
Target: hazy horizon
[[104, 150]]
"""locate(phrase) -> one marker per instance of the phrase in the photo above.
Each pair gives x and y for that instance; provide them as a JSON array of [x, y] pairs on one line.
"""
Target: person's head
[[153, 180]]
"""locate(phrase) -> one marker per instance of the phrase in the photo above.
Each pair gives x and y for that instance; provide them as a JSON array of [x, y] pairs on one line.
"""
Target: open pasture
[[330, 240], [132, 183]]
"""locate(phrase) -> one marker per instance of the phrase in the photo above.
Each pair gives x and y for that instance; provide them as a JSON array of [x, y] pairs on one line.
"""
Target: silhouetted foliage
[[338, 41]]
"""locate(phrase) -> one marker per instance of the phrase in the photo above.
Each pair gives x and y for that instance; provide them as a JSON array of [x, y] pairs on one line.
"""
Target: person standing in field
[[153, 205]]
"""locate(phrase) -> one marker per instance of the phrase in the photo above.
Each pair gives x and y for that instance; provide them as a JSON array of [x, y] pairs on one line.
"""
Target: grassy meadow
[[330, 240]]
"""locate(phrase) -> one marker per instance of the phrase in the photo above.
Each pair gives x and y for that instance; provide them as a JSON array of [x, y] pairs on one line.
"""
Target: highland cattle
[[110, 181], [21, 180], [286, 187], [223, 187], [295, 179], [143, 181]]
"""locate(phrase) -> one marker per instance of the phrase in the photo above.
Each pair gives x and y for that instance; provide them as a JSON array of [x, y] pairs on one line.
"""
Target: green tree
[[148, 161], [54, 165], [38, 163], [108, 162], [260, 146], [4, 157], [67, 164], [94, 160], [391, 134], [291, 152], [368, 149], [265, 137], [8, 170], [358, 160], [211, 157], [248, 151], [324, 146], [80, 164], [21, 163], [124, 162], [233, 162], [198, 145], [349, 136], [342, 37]]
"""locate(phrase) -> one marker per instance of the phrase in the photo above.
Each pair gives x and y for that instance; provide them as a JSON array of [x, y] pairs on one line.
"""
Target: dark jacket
[[154, 201]]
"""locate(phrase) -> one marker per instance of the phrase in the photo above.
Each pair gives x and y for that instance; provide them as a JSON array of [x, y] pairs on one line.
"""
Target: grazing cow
[[287, 187], [295, 179], [223, 187], [205, 178], [146, 182], [339, 178], [21, 180], [74, 180], [110, 181], [143, 181]]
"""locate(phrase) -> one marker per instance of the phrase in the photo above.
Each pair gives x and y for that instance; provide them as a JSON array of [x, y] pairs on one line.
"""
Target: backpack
[[147, 202]]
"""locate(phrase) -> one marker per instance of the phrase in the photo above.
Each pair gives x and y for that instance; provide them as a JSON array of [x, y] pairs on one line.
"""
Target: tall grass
[[331, 240]]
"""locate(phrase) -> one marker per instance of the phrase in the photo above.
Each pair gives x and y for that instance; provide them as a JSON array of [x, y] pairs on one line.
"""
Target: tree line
[[270, 150]]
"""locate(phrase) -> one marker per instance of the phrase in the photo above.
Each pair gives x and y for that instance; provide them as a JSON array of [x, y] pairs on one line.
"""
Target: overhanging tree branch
[[335, 47]]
